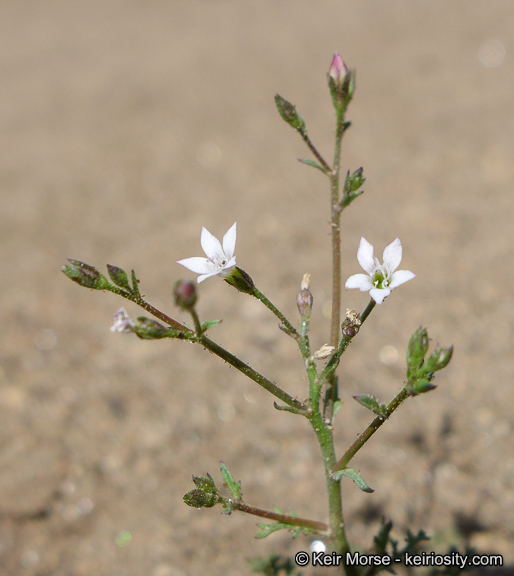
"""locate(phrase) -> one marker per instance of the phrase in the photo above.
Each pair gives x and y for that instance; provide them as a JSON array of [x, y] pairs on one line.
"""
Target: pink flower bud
[[338, 69]]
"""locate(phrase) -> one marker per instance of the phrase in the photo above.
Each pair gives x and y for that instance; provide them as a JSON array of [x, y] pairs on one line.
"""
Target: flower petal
[[203, 277], [197, 265], [379, 294], [229, 241], [361, 281], [366, 256], [400, 277], [211, 245], [393, 255]]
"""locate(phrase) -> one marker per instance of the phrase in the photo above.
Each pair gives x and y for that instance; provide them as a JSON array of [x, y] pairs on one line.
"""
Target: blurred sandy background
[[125, 127]]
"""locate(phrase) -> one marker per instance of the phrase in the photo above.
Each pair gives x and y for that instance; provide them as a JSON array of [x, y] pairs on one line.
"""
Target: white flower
[[122, 322], [380, 279], [220, 260]]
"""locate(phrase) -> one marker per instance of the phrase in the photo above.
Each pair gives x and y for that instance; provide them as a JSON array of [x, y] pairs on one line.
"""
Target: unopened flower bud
[[289, 113], [148, 329], [438, 360], [416, 350], [119, 277], [198, 499], [351, 324], [340, 82], [338, 69], [85, 275], [185, 294], [304, 302]]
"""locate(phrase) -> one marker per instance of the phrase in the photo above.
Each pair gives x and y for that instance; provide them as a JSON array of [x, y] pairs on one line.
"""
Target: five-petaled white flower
[[380, 279], [220, 260]]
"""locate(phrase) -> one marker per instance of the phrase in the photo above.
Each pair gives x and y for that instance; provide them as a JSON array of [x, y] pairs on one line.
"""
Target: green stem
[[335, 224], [317, 527], [370, 430], [340, 542], [196, 320], [290, 329], [335, 219], [219, 351], [368, 311], [252, 374], [312, 148]]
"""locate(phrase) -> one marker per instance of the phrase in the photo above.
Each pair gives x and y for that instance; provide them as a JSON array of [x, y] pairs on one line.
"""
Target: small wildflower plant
[[321, 399]]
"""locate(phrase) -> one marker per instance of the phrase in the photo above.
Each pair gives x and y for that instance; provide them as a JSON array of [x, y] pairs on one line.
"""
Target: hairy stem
[[230, 358], [318, 527], [370, 430], [312, 148], [335, 224], [290, 329]]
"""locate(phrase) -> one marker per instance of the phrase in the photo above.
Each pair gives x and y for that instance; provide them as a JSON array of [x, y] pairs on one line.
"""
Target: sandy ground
[[126, 126]]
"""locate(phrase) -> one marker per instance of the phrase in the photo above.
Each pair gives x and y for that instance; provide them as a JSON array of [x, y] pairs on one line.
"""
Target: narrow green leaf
[[287, 409], [356, 477], [210, 324], [371, 403], [233, 486], [338, 404], [313, 164], [267, 529]]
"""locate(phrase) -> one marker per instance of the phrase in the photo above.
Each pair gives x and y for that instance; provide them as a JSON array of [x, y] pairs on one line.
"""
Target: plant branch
[[370, 430], [318, 527], [230, 358], [290, 329], [312, 148]]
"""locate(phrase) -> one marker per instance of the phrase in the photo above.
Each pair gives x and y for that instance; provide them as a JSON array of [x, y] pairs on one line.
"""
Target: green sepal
[[355, 476], [119, 277], [205, 483], [372, 404], [233, 486], [209, 324], [240, 280], [313, 164], [135, 285]]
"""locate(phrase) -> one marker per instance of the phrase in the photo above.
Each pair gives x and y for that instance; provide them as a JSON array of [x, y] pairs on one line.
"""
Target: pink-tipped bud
[[338, 69], [185, 294], [341, 83]]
